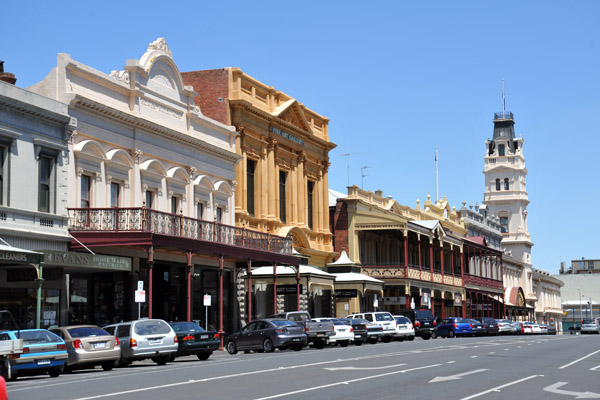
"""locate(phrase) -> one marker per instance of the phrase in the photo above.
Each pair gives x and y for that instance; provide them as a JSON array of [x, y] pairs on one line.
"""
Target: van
[[381, 318], [145, 338]]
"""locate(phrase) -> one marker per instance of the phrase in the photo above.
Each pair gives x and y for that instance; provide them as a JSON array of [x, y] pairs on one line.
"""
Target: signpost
[[140, 297], [206, 305]]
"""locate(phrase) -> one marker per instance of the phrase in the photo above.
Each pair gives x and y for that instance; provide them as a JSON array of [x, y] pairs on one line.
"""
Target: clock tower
[[505, 190]]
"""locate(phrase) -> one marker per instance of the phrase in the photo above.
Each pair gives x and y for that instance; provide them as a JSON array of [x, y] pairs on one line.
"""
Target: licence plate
[[295, 339], [203, 336], [155, 341], [43, 362], [100, 345]]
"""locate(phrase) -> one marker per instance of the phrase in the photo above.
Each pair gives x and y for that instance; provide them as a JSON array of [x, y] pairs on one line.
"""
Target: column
[[221, 332], [298, 287], [271, 179], [249, 297], [406, 254], [420, 258], [274, 288], [301, 191], [431, 257], [189, 268], [325, 198], [442, 259], [263, 167], [150, 263], [240, 174]]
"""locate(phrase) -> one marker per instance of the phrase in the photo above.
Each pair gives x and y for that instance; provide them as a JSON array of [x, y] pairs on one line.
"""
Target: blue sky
[[396, 79]]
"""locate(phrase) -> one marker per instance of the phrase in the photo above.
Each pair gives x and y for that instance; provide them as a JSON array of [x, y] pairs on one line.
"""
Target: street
[[501, 367]]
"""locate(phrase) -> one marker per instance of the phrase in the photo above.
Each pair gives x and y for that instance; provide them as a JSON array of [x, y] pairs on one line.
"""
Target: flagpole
[[437, 190]]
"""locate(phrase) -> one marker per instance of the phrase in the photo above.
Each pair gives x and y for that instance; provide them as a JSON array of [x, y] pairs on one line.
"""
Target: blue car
[[43, 352], [454, 327]]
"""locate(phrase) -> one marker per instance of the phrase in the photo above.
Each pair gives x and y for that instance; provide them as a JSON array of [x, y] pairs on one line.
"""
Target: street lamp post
[[580, 307]]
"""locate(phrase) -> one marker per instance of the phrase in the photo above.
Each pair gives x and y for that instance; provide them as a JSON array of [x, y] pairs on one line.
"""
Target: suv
[[589, 326], [145, 338], [381, 318], [423, 321]]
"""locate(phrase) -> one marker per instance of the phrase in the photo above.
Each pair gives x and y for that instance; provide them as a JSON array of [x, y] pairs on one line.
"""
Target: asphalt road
[[511, 367]]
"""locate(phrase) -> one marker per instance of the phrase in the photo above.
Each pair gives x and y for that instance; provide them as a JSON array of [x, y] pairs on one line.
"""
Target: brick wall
[[210, 85], [339, 226]]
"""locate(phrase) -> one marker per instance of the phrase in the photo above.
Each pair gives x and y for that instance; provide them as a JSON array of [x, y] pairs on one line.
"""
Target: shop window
[[250, 168], [46, 164], [309, 202], [282, 197], [115, 192], [85, 191]]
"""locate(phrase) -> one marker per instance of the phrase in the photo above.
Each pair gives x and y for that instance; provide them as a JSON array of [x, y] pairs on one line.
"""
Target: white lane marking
[[580, 359], [492, 352], [595, 368], [450, 362], [474, 356], [456, 376], [362, 368], [497, 388], [578, 395], [506, 349], [346, 382]]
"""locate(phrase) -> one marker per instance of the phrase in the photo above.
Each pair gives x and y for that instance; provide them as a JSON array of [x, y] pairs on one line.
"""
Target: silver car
[[589, 326], [145, 338]]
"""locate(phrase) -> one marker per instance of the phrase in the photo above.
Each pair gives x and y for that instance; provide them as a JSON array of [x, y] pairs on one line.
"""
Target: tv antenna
[[347, 155], [362, 175]]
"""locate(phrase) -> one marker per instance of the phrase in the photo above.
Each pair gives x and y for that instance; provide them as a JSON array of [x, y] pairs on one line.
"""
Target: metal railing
[[147, 220]]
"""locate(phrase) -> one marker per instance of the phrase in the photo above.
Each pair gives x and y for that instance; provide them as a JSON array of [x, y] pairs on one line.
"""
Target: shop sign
[[425, 296], [398, 300], [345, 293], [28, 274], [17, 257], [457, 300], [87, 261], [287, 136], [287, 289]]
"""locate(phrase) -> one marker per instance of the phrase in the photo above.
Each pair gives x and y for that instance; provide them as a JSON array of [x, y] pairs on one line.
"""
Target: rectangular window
[[200, 211], [46, 168], [2, 158], [501, 150], [282, 199], [174, 204], [504, 224], [219, 215], [309, 202], [85, 191], [149, 197], [251, 166], [115, 190]]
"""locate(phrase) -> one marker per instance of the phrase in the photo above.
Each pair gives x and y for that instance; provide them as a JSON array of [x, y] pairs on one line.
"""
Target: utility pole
[[362, 175], [347, 155]]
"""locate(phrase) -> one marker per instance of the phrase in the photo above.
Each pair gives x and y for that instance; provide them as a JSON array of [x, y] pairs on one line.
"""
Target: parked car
[[521, 328], [359, 329], [194, 340], [454, 327], [143, 339], [43, 352], [589, 326], [404, 328], [490, 325], [381, 318], [505, 327], [343, 332], [477, 327], [535, 328], [267, 335], [317, 333], [374, 331], [423, 321], [88, 346], [544, 329]]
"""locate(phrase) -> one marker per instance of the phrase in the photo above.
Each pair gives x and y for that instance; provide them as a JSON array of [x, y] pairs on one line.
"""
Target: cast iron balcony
[[146, 220]]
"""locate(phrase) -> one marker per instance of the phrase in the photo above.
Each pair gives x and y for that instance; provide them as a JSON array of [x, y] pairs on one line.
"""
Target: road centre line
[[497, 388], [347, 382], [580, 359]]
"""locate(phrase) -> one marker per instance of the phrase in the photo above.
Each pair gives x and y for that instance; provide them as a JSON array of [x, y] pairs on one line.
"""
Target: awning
[[15, 255]]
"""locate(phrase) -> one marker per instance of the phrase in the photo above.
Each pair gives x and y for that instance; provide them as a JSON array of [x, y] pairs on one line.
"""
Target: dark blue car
[[454, 327]]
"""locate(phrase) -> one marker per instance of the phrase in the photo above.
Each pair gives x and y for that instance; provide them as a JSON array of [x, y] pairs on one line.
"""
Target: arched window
[[506, 186], [498, 184]]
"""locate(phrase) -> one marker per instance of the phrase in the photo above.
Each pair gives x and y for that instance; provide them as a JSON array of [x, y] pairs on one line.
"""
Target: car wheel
[[297, 348], [450, 333], [411, 338], [358, 343], [54, 372], [268, 346], [67, 369], [433, 335], [386, 339], [373, 341], [344, 343], [320, 344], [231, 348], [161, 360], [107, 366], [427, 337], [203, 356], [122, 362], [401, 339]]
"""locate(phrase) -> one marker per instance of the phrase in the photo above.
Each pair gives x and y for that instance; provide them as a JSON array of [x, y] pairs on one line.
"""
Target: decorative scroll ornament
[[160, 44], [137, 155], [122, 76]]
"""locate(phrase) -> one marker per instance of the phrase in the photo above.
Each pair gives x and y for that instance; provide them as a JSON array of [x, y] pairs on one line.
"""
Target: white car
[[381, 318], [505, 327], [404, 328], [535, 328], [343, 333], [589, 326]]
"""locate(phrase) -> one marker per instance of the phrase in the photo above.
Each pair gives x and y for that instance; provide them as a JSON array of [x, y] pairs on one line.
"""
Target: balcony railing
[[481, 281], [146, 220]]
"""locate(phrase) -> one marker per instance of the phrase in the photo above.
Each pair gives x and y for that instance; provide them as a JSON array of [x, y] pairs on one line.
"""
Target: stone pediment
[[291, 113]]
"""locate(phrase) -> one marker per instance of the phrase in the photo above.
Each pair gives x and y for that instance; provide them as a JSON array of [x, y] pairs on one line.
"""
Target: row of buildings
[[206, 195]]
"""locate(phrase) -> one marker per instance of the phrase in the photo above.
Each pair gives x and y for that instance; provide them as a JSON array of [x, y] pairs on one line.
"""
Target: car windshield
[[86, 332], [423, 314], [186, 327], [460, 320], [151, 327], [283, 322], [383, 317], [42, 336], [588, 321], [402, 320]]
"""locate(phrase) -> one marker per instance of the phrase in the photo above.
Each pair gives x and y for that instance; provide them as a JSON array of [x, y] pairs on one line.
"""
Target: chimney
[[6, 76], [379, 193]]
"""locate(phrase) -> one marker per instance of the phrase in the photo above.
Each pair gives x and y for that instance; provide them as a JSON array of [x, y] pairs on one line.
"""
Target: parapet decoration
[[160, 44]]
